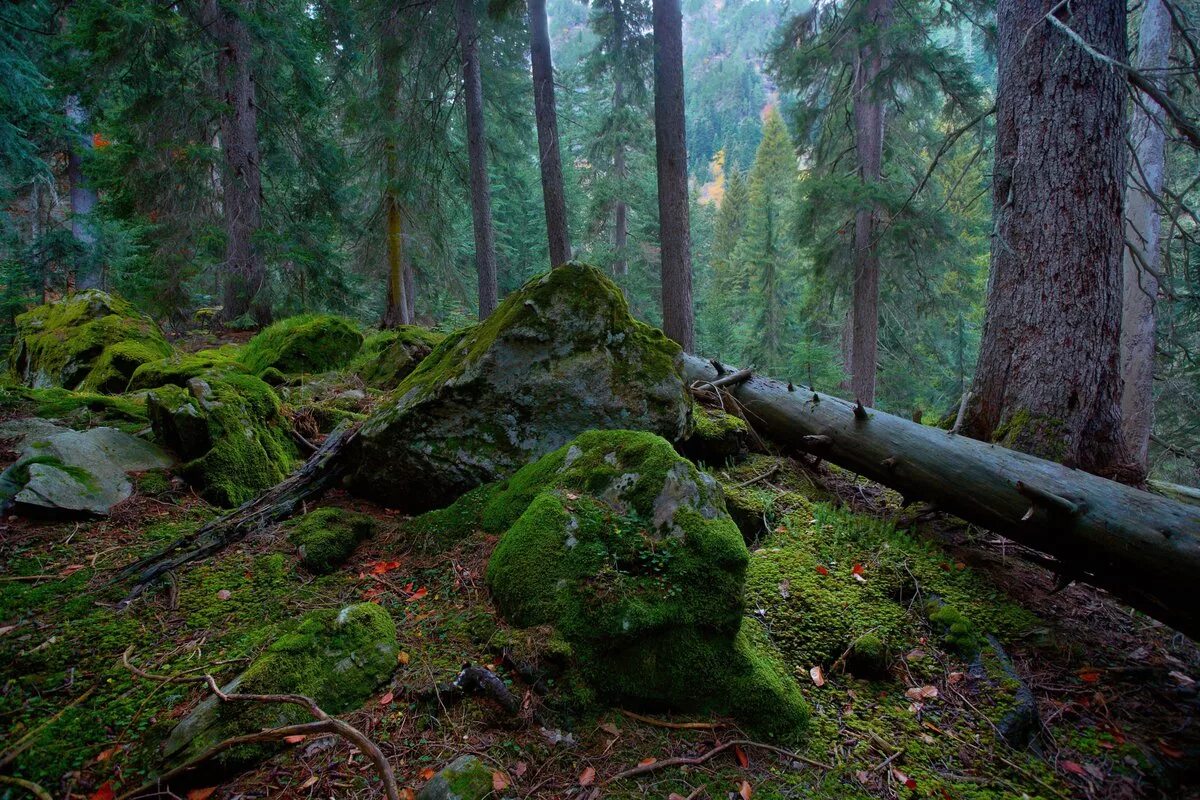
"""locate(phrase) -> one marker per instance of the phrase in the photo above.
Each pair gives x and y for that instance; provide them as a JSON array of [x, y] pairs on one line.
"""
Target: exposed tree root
[[323, 724]]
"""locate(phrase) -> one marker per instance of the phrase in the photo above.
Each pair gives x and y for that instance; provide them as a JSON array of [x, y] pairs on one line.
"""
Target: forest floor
[[1115, 692]]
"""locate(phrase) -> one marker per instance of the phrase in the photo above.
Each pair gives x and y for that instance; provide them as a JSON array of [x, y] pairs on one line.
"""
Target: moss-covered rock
[[327, 537], [388, 357], [91, 340], [337, 657], [307, 343], [625, 548], [230, 432], [763, 490], [559, 357], [464, 778], [716, 438], [178, 369]]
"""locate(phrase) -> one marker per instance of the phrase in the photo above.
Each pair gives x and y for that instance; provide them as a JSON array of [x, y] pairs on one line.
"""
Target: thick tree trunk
[[547, 131], [1143, 548], [1047, 381], [1144, 184], [388, 67], [670, 147], [868, 146], [481, 188], [89, 275], [245, 273]]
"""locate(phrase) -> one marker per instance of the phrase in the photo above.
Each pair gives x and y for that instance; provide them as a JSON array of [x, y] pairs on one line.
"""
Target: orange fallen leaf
[[407, 794], [821, 570], [387, 698], [296, 739], [105, 755], [382, 567], [744, 791], [418, 594], [520, 768], [200, 793], [402, 657], [1089, 675], [499, 781], [904, 779], [587, 777], [105, 792], [740, 754], [1072, 767], [427, 773], [857, 569], [920, 693], [645, 762]]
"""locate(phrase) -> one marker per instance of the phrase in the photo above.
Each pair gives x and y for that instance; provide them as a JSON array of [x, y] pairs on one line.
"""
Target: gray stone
[[465, 778]]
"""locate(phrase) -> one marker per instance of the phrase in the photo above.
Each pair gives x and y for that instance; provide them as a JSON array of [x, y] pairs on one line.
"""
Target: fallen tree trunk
[[323, 469], [1142, 547]]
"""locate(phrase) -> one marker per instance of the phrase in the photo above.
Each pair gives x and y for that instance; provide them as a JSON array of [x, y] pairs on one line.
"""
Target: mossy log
[[1142, 547]]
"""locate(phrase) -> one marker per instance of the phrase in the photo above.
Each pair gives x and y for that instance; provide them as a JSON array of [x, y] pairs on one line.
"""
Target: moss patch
[[388, 357], [327, 537], [716, 438], [180, 368], [307, 343]]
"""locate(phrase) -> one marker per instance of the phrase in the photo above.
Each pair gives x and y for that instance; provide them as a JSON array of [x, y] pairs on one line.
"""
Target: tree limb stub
[[1142, 547]]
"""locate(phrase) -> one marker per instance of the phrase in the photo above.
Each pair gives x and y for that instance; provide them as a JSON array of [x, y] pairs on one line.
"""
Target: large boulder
[[66, 472], [557, 358], [336, 657], [180, 368], [303, 344], [90, 341], [229, 430], [625, 549]]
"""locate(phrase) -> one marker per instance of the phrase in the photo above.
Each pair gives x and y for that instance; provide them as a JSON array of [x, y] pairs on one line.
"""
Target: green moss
[[230, 431], [307, 343], [764, 490], [20, 474], [90, 340], [387, 357], [1024, 430], [87, 407], [715, 438], [180, 368], [327, 537], [465, 778], [958, 634]]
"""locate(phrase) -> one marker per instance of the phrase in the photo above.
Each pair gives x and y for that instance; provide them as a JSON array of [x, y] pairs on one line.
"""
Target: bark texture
[[1143, 548], [396, 311], [481, 188], [553, 195], [83, 197], [1047, 381], [868, 147], [1142, 226], [241, 181], [621, 172], [670, 146]]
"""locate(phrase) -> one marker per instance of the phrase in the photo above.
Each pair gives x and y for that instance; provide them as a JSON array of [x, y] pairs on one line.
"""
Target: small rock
[[465, 778]]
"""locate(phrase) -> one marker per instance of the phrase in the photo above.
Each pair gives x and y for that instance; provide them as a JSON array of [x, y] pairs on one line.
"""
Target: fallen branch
[[29, 786], [678, 726], [323, 724], [695, 761]]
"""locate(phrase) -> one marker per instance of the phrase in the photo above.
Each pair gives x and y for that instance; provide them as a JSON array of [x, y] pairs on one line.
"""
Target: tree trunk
[[410, 287], [481, 189], [245, 273], [1141, 547], [388, 66], [1047, 381], [620, 210], [1144, 183], [670, 147], [868, 146], [547, 132], [83, 197]]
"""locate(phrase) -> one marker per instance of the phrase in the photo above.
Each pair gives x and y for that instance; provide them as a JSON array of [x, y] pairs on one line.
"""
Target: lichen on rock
[[625, 548], [327, 537], [559, 357], [338, 657], [230, 432], [91, 341], [303, 344]]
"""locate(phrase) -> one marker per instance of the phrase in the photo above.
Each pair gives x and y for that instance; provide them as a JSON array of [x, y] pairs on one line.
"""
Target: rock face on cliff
[[557, 358], [90, 341]]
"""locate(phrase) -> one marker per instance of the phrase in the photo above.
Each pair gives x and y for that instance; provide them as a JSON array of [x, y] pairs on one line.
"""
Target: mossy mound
[[229, 430], [388, 357], [178, 369], [79, 409], [91, 341], [337, 657], [327, 537], [764, 490], [557, 358], [307, 343], [716, 438], [626, 550]]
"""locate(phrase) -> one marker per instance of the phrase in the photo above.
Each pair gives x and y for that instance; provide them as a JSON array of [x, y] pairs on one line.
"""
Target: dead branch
[[693, 761], [323, 724], [677, 726], [29, 786]]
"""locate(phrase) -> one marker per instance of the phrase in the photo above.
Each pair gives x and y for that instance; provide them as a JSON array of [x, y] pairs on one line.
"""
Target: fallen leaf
[[428, 773], [296, 739], [1072, 767], [610, 729], [383, 567], [904, 779], [105, 792], [645, 762], [859, 578], [224, 594], [863, 776], [744, 791], [407, 794], [387, 698], [857, 569], [200, 793], [740, 754], [916, 654], [817, 675], [821, 570], [70, 570], [587, 777], [499, 781], [418, 594], [402, 657], [1168, 750], [1089, 675], [311, 780], [520, 768], [920, 693], [105, 755]]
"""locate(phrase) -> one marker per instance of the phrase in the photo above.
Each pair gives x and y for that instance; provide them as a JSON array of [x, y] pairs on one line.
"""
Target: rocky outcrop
[[557, 358], [230, 432], [91, 341]]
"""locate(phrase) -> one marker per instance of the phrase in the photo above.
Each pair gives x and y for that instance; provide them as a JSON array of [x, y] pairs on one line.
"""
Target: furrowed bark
[[1143, 548], [547, 131]]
